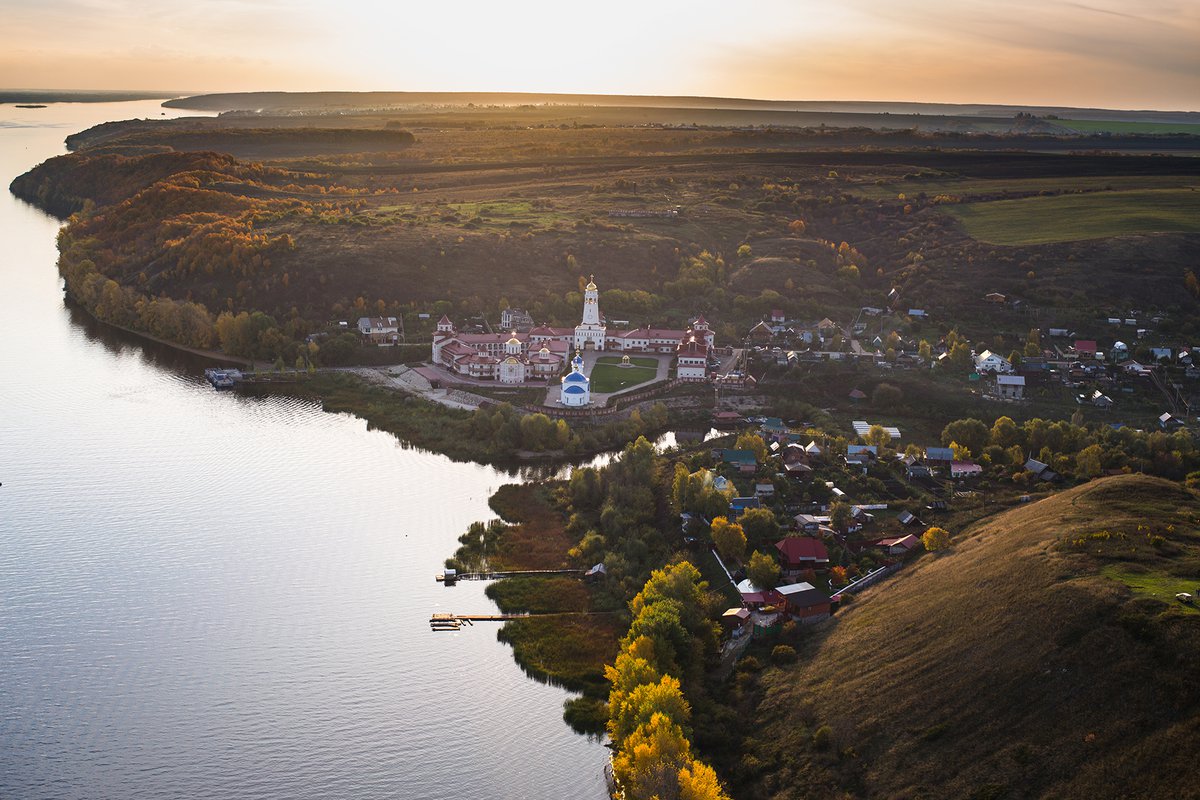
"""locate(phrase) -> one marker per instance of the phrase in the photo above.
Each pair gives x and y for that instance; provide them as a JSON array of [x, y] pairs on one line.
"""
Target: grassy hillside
[[1040, 220], [1009, 667]]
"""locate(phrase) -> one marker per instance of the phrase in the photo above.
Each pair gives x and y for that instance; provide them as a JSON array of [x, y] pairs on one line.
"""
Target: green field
[[1110, 126], [1064, 218], [609, 376], [971, 187], [1156, 585]]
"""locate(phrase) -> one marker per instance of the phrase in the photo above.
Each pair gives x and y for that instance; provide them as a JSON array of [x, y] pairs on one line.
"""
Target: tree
[[1087, 461], [745, 251], [699, 782], [650, 760], [878, 436], [960, 355], [753, 442], [729, 538], [644, 701], [925, 350], [1033, 342], [1005, 433], [840, 515], [760, 526], [935, 539], [970, 433], [763, 570], [887, 395]]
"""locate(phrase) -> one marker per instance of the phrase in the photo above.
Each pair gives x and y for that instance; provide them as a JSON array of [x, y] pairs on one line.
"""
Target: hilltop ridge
[[1014, 666]]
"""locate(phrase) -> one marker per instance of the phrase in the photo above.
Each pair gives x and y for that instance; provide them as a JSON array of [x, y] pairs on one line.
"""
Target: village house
[[740, 505], [898, 545], [382, 331], [737, 622], [799, 553], [987, 361], [804, 602], [1010, 387], [965, 469], [1041, 471], [744, 460], [810, 523], [939, 456], [1170, 422]]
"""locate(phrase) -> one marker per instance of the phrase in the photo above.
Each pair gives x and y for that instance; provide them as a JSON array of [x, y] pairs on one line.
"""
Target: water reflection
[[216, 595]]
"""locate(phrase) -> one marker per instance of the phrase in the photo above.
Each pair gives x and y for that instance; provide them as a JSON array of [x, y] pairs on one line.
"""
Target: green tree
[[1005, 433], [887, 396], [762, 570], [753, 442], [1087, 461], [1033, 343], [960, 356], [935, 539], [970, 433], [760, 526], [840, 515]]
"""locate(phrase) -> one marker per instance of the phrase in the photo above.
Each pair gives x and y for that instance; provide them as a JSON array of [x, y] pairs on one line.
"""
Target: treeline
[[650, 718], [148, 227], [63, 184], [491, 435], [1072, 449]]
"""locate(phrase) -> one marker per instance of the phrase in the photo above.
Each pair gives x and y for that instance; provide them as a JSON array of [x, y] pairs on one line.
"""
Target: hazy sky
[[1111, 53]]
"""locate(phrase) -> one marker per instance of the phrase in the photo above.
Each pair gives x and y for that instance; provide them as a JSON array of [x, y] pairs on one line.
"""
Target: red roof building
[[802, 552]]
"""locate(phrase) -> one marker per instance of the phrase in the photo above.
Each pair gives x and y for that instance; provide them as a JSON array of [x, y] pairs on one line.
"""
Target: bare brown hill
[[1015, 666]]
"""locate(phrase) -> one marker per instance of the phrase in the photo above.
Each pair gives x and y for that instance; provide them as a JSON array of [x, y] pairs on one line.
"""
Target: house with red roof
[[800, 553], [898, 545]]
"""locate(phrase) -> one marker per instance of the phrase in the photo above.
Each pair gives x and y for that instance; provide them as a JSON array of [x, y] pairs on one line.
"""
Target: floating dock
[[223, 378], [450, 575], [452, 622]]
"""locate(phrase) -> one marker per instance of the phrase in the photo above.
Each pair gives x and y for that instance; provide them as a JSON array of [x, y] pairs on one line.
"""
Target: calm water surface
[[204, 595]]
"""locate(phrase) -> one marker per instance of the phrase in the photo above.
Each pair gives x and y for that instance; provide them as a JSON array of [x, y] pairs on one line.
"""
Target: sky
[[1129, 54]]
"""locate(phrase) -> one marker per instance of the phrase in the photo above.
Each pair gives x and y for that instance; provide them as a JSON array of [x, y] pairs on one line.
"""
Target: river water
[[204, 595]]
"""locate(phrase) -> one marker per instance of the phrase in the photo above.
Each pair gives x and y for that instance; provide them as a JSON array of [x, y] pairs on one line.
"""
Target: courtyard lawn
[[609, 376]]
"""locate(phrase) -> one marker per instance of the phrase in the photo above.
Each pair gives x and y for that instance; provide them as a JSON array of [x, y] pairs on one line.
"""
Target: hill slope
[[1009, 667]]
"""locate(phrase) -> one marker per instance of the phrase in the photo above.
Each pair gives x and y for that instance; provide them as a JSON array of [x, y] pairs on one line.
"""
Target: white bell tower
[[590, 332]]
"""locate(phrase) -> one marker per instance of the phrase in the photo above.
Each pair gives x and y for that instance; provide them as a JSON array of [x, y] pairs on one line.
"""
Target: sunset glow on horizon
[[1088, 54]]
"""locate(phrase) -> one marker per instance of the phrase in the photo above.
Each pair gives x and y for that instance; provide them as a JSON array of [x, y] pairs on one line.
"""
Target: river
[[205, 595]]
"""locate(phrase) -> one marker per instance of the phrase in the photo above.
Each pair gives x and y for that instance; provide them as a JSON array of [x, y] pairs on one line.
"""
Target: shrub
[[822, 736], [783, 654]]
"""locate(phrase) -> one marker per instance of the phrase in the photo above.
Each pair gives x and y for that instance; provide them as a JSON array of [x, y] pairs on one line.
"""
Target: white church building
[[544, 351], [576, 388]]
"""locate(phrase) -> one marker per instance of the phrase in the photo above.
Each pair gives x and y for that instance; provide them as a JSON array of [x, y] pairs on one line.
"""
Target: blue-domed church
[[576, 388]]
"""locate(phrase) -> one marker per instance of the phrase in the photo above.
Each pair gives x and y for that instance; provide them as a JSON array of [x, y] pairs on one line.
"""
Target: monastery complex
[[544, 352]]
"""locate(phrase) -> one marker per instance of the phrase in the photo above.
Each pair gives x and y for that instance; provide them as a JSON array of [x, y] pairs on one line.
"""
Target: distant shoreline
[[32, 96]]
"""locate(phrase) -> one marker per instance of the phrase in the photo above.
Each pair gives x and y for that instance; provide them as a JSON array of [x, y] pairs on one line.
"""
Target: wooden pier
[[453, 622], [450, 576]]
